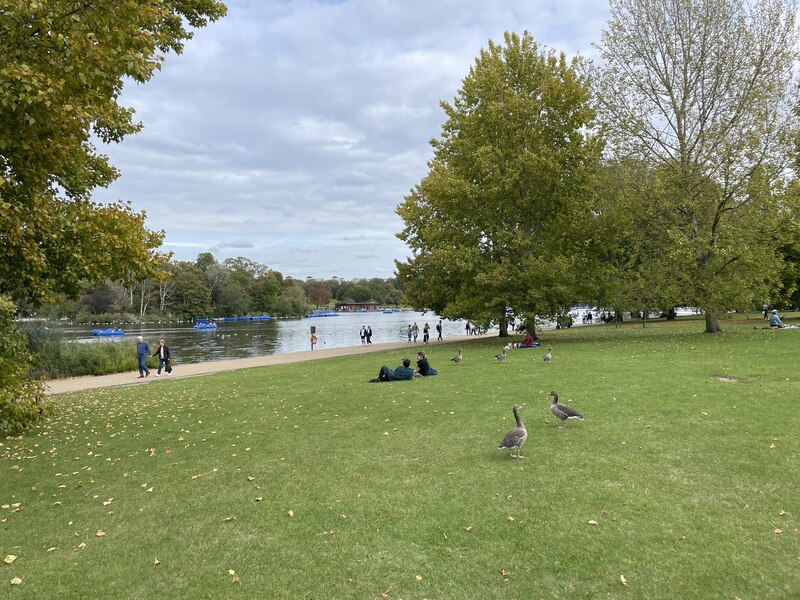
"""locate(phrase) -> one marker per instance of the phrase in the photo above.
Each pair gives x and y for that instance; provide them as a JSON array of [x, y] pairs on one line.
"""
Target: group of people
[[412, 332], [143, 351], [404, 372], [366, 335]]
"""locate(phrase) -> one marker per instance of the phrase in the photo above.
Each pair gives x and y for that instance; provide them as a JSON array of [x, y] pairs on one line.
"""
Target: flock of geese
[[516, 437]]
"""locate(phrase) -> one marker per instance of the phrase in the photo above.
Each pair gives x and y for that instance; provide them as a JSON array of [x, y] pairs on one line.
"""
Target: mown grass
[[687, 462]]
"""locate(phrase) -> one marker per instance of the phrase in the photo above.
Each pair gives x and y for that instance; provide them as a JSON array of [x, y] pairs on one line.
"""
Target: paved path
[[75, 384]]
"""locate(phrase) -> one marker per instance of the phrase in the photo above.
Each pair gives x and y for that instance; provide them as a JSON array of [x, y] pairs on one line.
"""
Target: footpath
[[76, 384]]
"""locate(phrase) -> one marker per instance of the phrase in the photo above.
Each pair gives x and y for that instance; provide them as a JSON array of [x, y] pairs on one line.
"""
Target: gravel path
[[75, 384]]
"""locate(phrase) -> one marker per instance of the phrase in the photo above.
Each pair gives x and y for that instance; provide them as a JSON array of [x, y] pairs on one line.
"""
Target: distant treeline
[[207, 288]]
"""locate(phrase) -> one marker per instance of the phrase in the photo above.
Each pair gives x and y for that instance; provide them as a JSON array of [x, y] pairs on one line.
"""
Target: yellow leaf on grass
[[505, 572], [469, 529], [622, 580], [231, 572], [53, 549], [16, 581], [419, 577], [100, 533], [10, 558], [290, 513], [107, 502], [510, 519], [234, 579], [778, 530], [156, 562], [592, 522]]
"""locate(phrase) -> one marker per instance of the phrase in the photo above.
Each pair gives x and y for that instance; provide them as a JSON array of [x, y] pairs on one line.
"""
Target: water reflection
[[242, 339]]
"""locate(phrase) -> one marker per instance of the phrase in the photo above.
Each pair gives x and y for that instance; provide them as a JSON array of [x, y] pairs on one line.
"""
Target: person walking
[[426, 333], [369, 334], [363, 334], [162, 352], [142, 352], [415, 331], [439, 330], [408, 332]]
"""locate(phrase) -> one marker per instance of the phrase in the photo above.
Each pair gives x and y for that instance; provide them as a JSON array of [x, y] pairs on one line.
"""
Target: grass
[[308, 482]]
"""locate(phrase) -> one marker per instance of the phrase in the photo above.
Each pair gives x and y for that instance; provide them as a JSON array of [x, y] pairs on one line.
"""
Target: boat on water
[[206, 326], [111, 331], [322, 312]]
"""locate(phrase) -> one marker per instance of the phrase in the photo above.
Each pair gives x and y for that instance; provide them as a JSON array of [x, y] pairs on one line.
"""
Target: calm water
[[242, 339]]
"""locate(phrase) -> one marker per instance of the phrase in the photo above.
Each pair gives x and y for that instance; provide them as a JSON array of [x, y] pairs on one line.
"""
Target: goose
[[500, 357], [562, 411], [516, 437], [457, 359], [549, 356]]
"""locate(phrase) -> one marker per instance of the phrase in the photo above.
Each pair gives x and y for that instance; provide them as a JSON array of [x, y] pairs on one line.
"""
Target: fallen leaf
[[783, 513], [10, 558], [107, 502], [156, 562], [81, 546], [592, 522], [290, 513], [231, 518], [259, 499], [772, 445], [385, 595], [231, 572], [622, 580], [100, 533], [777, 530], [250, 478], [419, 577], [505, 572], [234, 579], [16, 581], [343, 517], [53, 549], [468, 529], [510, 519], [149, 490]]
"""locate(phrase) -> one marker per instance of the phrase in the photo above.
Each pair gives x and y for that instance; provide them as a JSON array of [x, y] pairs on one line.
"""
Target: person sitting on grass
[[528, 342], [401, 373], [775, 321], [423, 367]]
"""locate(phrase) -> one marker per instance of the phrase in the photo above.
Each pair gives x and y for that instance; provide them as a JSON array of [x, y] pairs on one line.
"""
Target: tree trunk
[[503, 325], [712, 320]]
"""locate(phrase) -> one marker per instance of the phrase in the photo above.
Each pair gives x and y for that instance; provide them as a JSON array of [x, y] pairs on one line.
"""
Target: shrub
[[22, 401]]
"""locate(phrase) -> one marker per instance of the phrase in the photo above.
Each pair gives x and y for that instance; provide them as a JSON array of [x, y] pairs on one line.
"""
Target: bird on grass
[[500, 357], [562, 411], [516, 437], [549, 356], [457, 359]]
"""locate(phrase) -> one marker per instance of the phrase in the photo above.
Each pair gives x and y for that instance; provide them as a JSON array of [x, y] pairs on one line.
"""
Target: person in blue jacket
[[142, 352], [401, 373]]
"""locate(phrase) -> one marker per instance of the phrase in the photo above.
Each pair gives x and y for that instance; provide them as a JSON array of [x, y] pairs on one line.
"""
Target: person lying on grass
[[423, 367], [400, 373]]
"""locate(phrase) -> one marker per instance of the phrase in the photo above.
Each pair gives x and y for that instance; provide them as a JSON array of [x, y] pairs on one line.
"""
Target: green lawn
[[308, 482]]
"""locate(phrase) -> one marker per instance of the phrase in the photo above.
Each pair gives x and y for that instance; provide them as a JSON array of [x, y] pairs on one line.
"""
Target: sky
[[288, 131]]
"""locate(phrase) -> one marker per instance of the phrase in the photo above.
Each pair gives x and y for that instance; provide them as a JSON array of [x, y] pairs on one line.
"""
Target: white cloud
[[288, 129]]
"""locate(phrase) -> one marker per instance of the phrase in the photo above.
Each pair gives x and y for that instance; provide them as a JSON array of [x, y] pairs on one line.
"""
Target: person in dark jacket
[[401, 373], [163, 357], [423, 366]]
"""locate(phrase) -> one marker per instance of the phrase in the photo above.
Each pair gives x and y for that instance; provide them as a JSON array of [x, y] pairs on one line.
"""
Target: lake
[[243, 339]]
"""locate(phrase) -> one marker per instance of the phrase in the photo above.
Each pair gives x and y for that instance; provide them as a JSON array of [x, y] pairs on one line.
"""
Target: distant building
[[357, 307]]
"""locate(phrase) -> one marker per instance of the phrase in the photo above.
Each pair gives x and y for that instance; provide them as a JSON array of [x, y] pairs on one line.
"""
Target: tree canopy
[[700, 94], [63, 64], [503, 217]]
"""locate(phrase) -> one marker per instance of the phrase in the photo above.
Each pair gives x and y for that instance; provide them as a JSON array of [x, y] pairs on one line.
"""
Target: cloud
[[288, 126]]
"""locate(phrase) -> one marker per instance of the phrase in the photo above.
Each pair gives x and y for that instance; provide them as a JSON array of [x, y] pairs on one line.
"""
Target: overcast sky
[[288, 131]]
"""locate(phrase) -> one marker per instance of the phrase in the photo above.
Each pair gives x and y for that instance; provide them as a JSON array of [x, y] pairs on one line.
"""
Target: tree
[[318, 293], [503, 217], [702, 92], [191, 294], [62, 67]]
